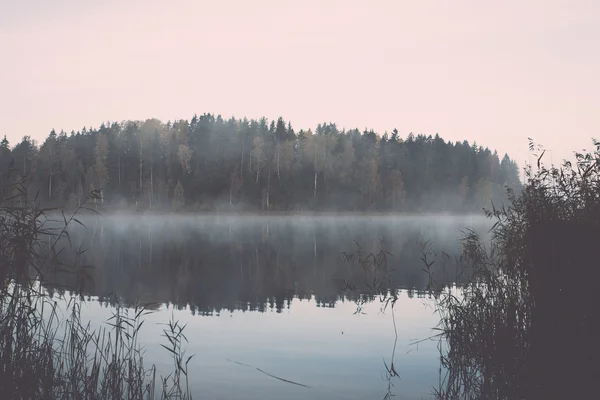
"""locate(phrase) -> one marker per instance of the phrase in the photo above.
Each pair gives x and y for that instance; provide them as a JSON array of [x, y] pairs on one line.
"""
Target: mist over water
[[237, 262], [274, 293]]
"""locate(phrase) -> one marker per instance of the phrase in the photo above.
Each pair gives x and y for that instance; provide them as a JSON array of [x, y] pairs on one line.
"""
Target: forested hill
[[209, 163]]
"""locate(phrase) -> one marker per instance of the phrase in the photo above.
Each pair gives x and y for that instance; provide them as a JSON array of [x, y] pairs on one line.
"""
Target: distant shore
[[246, 213]]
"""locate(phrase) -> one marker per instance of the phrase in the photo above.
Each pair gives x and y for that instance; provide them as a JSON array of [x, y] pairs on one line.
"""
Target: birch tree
[[258, 155], [100, 161]]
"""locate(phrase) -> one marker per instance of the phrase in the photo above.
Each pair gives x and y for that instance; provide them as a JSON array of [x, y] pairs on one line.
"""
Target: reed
[[526, 325], [47, 351]]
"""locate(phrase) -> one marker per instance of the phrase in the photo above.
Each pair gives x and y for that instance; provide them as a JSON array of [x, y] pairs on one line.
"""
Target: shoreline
[[374, 214]]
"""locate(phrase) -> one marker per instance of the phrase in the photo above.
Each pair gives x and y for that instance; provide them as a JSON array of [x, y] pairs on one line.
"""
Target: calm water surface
[[277, 294]]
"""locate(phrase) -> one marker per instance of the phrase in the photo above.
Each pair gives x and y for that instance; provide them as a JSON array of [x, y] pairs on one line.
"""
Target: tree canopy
[[211, 163]]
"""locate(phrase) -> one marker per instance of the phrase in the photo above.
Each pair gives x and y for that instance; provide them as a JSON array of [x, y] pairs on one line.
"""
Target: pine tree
[[213, 157]]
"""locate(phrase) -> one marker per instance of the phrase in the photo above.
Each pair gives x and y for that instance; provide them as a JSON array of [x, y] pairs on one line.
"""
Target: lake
[[274, 307]]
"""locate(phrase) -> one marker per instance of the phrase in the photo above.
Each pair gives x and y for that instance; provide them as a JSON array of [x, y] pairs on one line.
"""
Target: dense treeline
[[211, 163]]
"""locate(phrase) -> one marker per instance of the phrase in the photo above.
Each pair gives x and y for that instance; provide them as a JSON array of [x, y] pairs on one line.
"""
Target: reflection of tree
[[216, 264], [377, 277]]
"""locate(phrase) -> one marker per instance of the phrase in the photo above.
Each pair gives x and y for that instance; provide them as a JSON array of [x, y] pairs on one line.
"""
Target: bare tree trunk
[[278, 174], [268, 187], [119, 168], [50, 187], [242, 161], [257, 171], [362, 191], [151, 186], [325, 175], [315, 167]]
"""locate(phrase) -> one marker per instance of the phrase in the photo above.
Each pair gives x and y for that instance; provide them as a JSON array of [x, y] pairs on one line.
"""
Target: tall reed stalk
[[526, 325], [48, 352]]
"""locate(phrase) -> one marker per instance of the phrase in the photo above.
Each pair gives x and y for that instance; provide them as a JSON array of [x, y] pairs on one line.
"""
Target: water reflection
[[290, 270], [213, 263], [337, 354]]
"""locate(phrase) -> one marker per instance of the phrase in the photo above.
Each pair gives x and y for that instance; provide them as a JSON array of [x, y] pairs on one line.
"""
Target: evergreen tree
[[260, 165]]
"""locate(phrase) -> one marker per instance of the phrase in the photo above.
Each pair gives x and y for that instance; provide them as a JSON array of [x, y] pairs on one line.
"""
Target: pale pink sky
[[491, 71]]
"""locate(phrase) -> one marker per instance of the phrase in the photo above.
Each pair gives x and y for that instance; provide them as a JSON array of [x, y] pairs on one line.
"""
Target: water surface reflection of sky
[[337, 353]]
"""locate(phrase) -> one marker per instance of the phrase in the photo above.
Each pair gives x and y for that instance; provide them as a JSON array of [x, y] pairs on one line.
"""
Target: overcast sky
[[491, 71]]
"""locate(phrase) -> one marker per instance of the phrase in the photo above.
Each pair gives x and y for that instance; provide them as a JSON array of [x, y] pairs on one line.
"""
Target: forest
[[213, 164]]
